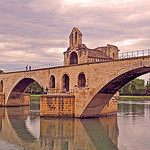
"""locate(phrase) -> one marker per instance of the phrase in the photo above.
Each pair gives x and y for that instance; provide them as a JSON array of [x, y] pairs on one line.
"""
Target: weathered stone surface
[[57, 106], [84, 54], [111, 107], [2, 99], [18, 99]]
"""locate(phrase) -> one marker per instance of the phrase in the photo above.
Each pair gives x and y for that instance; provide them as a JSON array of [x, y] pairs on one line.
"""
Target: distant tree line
[[136, 87]]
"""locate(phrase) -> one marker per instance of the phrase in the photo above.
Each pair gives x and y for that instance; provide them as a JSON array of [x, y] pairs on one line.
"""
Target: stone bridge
[[93, 83], [94, 76]]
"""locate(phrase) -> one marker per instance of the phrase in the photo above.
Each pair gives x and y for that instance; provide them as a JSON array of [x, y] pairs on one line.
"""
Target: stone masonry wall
[[57, 105], [26, 101], [111, 107], [63, 106], [2, 99], [19, 99]]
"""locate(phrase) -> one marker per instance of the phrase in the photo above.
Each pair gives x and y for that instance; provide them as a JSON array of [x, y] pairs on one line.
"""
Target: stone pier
[[63, 105], [57, 105]]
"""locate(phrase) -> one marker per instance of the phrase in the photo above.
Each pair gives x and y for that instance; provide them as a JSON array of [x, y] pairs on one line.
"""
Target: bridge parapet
[[54, 91]]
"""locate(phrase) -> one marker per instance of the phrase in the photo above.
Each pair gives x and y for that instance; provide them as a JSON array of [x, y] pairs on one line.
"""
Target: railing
[[57, 64], [60, 92], [132, 54], [30, 67]]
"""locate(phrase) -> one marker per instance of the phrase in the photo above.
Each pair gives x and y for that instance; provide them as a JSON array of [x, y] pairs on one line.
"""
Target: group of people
[[28, 67], [46, 89]]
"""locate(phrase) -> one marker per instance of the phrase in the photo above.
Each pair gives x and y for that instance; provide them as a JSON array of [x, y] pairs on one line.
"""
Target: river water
[[22, 128]]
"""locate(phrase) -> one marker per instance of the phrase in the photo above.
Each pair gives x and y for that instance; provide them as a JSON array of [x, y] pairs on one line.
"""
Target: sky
[[35, 32]]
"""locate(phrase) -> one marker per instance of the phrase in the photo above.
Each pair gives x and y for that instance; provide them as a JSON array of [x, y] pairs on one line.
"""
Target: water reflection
[[22, 127], [133, 108], [85, 134], [134, 120]]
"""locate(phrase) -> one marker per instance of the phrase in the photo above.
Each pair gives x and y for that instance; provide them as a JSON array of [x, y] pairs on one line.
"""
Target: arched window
[[73, 58], [81, 80], [65, 82], [65, 146], [52, 81], [113, 55], [76, 38], [1, 86]]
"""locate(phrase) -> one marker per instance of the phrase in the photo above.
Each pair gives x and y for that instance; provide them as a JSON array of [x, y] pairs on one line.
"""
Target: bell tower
[[75, 38]]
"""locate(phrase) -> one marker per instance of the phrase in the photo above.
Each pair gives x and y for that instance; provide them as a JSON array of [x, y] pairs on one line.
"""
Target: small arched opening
[[1, 86], [52, 81], [81, 80], [65, 82], [73, 58], [76, 38], [113, 55]]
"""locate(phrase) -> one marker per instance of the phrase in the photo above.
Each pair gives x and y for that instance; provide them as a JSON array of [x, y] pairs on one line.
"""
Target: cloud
[[38, 31]]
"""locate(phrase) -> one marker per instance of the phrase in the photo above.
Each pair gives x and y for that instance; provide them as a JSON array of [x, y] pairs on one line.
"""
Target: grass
[[130, 97], [35, 95]]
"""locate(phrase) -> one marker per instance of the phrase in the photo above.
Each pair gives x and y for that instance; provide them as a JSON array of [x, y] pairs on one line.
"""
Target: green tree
[[33, 88], [1, 71], [126, 90], [148, 88], [134, 87]]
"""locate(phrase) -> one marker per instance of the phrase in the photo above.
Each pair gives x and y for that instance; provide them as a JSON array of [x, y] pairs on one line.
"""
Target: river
[[22, 128]]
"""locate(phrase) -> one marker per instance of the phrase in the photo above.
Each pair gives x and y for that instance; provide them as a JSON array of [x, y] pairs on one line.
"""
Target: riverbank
[[130, 97]]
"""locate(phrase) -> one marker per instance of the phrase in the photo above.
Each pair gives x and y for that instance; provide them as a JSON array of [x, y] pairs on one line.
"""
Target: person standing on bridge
[[29, 67], [26, 67], [47, 90], [42, 90]]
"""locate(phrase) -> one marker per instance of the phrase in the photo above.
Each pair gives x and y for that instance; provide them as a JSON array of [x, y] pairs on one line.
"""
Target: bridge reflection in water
[[22, 127]]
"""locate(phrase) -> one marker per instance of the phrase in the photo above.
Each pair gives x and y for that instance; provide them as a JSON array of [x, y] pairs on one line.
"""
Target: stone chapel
[[78, 53]]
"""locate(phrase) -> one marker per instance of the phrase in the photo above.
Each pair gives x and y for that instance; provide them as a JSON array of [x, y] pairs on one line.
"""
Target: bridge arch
[[110, 86], [65, 82], [16, 93], [81, 80], [1, 86], [52, 81], [73, 58]]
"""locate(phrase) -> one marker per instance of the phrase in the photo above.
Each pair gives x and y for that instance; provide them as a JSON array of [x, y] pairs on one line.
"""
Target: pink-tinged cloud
[[37, 31]]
